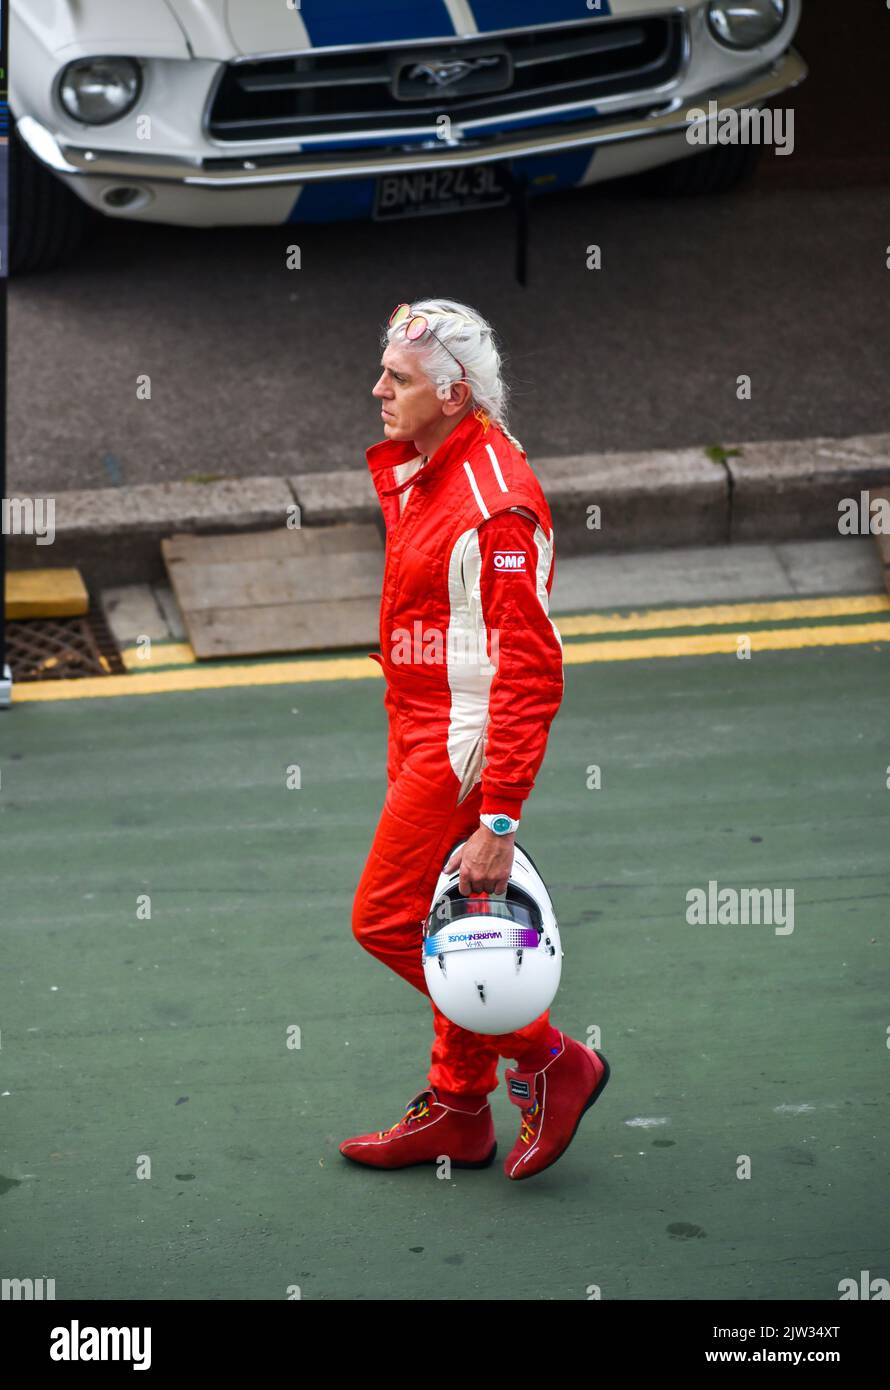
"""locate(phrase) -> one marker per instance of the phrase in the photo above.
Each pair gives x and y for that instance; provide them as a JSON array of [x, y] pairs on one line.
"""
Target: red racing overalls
[[474, 677]]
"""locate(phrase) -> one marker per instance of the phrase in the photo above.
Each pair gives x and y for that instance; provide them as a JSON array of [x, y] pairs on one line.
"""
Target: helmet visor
[[514, 906]]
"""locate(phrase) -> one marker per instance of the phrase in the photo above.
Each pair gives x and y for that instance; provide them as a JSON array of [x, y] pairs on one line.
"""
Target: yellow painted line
[[201, 678], [45, 593], [357, 668], [587, 624], [712, 643], [162, 654]]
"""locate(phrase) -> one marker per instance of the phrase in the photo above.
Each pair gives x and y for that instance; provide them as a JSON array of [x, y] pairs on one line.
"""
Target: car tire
[[47, 222], [715, 170]]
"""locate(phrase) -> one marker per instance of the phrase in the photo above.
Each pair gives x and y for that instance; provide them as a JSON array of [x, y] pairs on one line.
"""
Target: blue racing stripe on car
[[351, 200], [384, 21], [513, 14]]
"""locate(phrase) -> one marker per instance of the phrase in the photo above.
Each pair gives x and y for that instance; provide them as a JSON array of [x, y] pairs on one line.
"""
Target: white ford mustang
[[215, 112]]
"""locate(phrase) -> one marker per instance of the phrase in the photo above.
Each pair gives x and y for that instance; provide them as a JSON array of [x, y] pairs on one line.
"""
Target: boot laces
[[417, 1110], [527, 1130]]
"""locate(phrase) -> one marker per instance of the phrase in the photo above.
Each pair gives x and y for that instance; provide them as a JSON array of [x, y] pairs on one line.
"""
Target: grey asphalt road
[[259, 369]]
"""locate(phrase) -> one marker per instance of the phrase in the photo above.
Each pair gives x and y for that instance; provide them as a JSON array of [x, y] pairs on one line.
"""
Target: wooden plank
[[57, 593], [263, 631], [255, 593], [245, 584]]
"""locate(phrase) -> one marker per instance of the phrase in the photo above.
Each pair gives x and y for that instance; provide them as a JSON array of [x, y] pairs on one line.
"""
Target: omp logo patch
[[509, 559], [521, 1089]]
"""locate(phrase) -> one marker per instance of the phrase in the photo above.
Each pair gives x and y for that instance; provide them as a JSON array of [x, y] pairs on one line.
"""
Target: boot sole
[[594, 1096], [426, 1162]]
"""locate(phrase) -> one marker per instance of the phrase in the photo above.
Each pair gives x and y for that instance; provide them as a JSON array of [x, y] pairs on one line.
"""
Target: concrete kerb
[[773, 490], [113, 535], [328, 498], [636, 500], [791, 490]]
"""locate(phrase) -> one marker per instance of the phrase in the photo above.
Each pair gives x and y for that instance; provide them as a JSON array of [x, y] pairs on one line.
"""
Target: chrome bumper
[[234, 171]]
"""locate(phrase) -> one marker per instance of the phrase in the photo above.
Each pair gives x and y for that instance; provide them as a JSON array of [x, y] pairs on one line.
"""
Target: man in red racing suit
[[474, 677]]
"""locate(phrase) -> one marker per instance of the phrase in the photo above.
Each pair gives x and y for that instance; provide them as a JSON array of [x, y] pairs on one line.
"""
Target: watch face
[[501, 825]]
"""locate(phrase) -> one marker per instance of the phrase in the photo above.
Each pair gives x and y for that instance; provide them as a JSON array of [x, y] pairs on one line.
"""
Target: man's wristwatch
[[500, 824]]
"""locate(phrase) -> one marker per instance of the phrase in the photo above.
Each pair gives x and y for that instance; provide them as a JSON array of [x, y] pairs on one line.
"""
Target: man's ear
[[459, 397]]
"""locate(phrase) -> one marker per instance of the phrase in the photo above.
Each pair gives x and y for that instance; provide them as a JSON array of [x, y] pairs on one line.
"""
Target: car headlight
[[99, 90], [746, 23]]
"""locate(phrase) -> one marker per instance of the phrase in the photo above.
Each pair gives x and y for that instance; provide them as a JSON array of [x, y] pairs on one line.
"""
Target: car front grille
[[364, 92]]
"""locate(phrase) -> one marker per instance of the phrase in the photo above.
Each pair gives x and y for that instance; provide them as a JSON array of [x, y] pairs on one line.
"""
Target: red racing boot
[[461, 1129], [553, 1101]]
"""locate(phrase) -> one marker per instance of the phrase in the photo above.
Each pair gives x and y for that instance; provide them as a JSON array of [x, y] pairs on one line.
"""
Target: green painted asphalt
[[167, 1037]]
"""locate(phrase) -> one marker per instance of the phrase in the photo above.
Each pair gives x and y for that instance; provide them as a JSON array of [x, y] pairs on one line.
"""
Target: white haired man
[[473, 666]]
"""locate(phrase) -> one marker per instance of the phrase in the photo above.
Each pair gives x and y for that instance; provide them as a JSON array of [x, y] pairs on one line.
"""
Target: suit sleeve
[[515, 575]]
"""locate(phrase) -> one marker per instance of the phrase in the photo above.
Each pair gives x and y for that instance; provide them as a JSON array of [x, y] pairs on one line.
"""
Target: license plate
[[441, 190]]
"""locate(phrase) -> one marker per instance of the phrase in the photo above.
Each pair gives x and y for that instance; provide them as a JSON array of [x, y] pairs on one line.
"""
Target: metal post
[[520, 215]]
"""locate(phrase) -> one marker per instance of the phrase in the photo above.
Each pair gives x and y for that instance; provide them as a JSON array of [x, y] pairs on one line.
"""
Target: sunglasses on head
[[416, 326]]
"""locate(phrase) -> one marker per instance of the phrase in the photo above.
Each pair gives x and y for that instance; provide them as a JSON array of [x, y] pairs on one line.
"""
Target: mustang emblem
[[446, 74]]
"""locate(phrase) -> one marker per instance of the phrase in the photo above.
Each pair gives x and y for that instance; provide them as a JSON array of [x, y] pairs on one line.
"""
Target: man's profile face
[[408, 400]]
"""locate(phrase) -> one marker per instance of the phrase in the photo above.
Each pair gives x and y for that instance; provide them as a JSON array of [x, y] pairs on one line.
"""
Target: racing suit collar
[[390, 452]]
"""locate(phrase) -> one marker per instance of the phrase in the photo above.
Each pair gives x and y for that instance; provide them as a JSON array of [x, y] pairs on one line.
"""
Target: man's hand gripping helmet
[[492, 963]]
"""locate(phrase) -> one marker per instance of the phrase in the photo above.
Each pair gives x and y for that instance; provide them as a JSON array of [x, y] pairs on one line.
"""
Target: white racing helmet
[[492, 962]]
